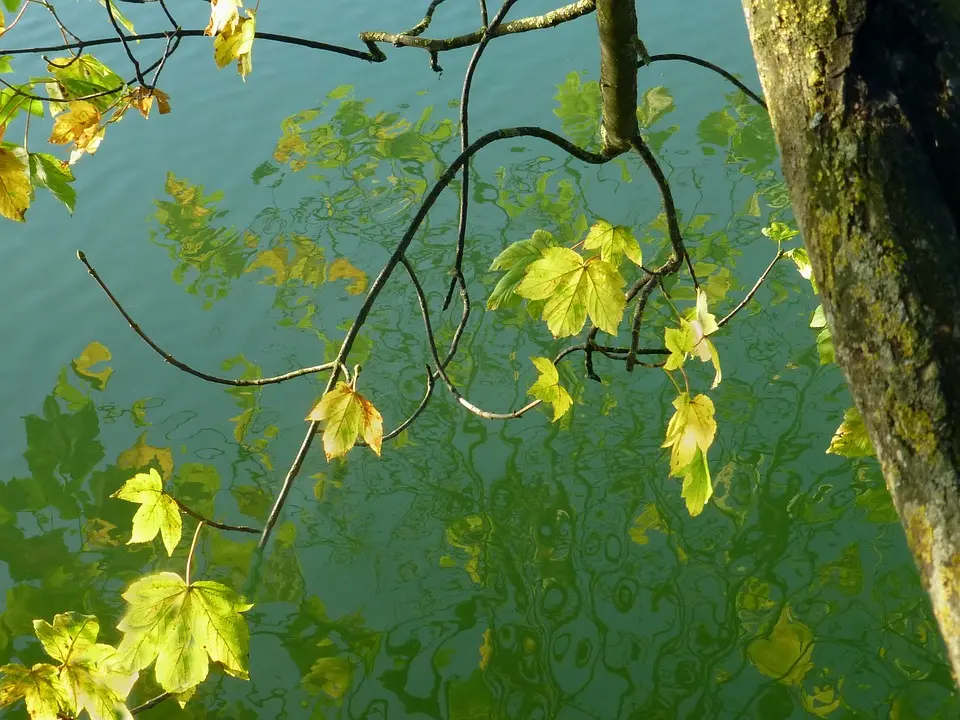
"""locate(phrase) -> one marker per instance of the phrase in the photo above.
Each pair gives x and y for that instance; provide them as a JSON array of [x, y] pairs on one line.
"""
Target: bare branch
[[539, 22], [214, 523], [183, 366], [753, 291], [710, 66]]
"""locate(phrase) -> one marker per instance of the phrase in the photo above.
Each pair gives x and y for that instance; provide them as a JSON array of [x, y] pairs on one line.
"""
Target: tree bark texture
[[863, 95], [617, 24]]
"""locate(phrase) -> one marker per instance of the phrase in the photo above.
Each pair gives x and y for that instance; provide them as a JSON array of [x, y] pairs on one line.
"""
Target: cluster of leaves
[[176, 625], [84, 97]]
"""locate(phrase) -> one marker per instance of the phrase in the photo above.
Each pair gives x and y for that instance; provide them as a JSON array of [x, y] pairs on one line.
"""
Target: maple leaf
[[548, 388], [614, 242], [142, 99], [39, 687], [158, 512], [86, 672], [851, 438], [235, 42], [574, 288], [183, 628], [80, 124], [347, 414], [15, 189], [47, 171], [515, 259], [223, 14], [692, 426], [691, 339]]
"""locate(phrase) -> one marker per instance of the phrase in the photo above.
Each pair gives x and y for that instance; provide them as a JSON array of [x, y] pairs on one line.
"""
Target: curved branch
[[371, 56], [183, 366], [753, 291], [214, 523], [709, 66], [539, 22], [394, 260]]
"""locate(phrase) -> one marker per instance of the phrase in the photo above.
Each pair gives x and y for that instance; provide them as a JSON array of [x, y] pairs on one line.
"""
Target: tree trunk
[[863, 95], [617, 25]]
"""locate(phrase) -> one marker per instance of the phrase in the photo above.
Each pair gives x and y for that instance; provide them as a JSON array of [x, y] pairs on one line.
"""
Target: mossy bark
[[617, 25], [863, 95]]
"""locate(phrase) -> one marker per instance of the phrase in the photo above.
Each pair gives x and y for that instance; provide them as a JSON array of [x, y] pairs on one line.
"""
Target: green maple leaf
[[515, 259], [575, 288], [183, 627], [348, 414], [851, 439], [158, 513], [87, 674], [39, 687], [548, 387], [614, 241]]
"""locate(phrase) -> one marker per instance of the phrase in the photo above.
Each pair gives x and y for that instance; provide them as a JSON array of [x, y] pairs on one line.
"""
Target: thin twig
[[183, 366], [427, 19], [123, 39], [464, 141], [193, 549], [753, 291], [710, 66], [151, 703], [214, 523]]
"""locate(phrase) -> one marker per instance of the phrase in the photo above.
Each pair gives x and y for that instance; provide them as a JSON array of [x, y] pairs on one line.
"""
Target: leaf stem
[[193, 547]]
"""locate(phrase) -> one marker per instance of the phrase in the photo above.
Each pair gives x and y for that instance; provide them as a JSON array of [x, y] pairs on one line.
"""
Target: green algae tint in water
[[478, 569]]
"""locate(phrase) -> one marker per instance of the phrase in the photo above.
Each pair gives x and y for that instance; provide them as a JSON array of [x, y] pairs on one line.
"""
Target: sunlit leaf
[[82, 76], [851, 438], [47, 171], [158, 512], [697, 487], [613, 242], [39, 687], [342, 269], [575, 288], [680, 342], [548, 388], [13, 100], [779, 232], [93, 354], [825, 347], [819, 319], [235, 42], [14, 186], [79, 125], [347, 414], [692, 427], [784, 655], [142, 98], [329, 674], [120, 17], [91, 681], [5, 65], [182, 627], [515, 259], [223, 14]]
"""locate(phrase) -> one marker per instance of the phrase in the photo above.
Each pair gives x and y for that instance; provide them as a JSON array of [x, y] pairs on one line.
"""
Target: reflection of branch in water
[[183, 366]]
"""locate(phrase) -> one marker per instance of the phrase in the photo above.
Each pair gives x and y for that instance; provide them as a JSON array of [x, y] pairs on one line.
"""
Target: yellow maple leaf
[[692, 426], [223, 14], [79, 125], [235, 42], [347, 414], [548, 388], [158, 512], [15, 189], [142, 99]]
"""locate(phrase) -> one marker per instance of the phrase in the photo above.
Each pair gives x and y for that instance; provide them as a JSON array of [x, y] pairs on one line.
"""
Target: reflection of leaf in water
[[140, 454], [83, 365], [846, 572], [197, 485], [252, 501], [63, 442], [649, 519], [330, 674], [469, 534], [785, 654], [654, 104], [822, 701], [470, 699], [342, 269], [281, 578], [579, 110], [486, 649], [73, 398]]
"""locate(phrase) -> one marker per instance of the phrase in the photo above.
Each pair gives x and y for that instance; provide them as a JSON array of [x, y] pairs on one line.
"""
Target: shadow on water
[[482, 570]]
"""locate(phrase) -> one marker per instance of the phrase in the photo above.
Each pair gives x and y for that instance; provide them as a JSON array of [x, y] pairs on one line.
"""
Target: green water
[[478, 569]]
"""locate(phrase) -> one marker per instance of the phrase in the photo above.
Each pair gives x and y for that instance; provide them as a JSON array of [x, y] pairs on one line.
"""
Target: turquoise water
[[478, 569]]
